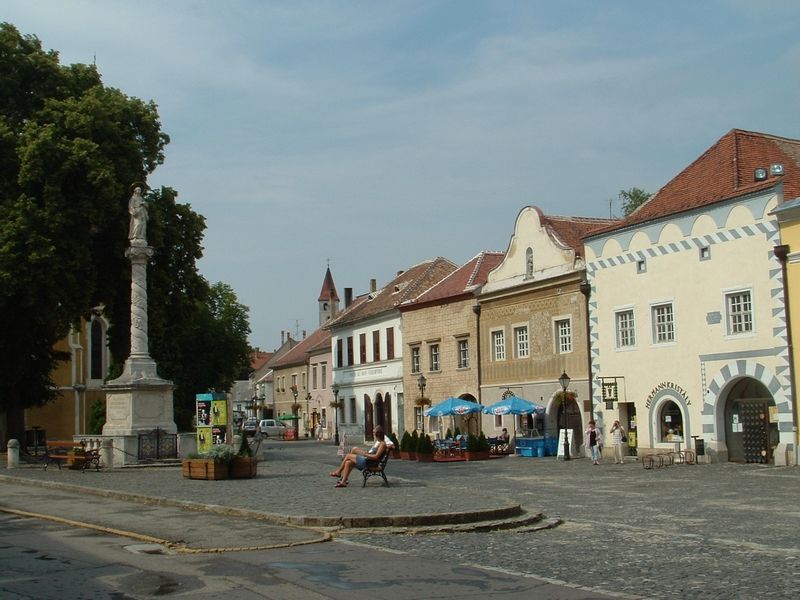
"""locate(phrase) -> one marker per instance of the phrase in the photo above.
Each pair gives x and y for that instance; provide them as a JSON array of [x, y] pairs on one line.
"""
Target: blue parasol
[[513, 405], [453, 406]]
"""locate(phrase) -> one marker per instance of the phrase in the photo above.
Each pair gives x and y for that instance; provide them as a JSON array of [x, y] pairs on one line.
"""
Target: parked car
[[250, 426], [272, 428]]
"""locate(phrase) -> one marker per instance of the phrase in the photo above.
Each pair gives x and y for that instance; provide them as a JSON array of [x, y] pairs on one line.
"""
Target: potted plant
[[448, 435], [477, 447], [244, 465], [214, 464], [396, 445], [425, 449], [408, 447]]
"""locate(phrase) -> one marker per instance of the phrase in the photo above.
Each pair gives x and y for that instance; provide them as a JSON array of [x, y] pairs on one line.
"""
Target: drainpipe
[[586, 290], [781, 253], [477, 310]]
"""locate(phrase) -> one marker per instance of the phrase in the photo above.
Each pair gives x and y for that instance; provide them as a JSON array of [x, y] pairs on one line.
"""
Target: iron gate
[[158, 444]]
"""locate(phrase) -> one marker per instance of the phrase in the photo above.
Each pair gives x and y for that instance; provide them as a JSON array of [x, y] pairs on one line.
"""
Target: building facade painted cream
[[688, 321]]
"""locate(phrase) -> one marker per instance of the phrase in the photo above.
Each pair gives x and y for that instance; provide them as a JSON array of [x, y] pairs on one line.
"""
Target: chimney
[[304, 334], [400, 272], [373, 285], [282, 334], [348, 297]]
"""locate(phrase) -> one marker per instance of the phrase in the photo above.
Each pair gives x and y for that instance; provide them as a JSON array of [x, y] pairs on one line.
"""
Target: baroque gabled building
[[688, 318], [533, 323]]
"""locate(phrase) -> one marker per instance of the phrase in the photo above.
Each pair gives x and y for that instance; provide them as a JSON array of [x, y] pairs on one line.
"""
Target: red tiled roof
[[569, 231], [258, 359], [460, 283], [297, 355], [408, 284], [328, 288], [724, 171]]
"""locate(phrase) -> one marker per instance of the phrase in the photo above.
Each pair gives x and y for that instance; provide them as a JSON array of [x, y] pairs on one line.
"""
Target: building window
[[353, 415], [362, 348], [339, 353], [314, 377], [463, 354], [740, 312], [663, 324], [415, 359], [96, 353], [626, 330], [564, 336], [350, 350], [671, 422], [521, 341], [434, 350], [499, 344], [418, 417], [529, 263], [305, 380], [324, 374], [390, 343], [376, 346], [294, 379], [705, 253], [641, 266]]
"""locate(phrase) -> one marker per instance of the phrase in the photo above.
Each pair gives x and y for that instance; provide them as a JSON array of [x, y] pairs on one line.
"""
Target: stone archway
[[750, 435]]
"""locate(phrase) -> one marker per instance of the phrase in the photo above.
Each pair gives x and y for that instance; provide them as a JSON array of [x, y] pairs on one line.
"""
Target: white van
[[272, 428]]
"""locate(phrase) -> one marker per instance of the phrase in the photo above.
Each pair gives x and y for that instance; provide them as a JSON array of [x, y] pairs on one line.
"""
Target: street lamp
[[564, 381], [421, 381], [335, 390], [308, 397]]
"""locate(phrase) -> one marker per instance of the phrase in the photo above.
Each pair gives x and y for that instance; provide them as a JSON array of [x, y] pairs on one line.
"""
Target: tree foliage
[[70, 148], [632, 199]]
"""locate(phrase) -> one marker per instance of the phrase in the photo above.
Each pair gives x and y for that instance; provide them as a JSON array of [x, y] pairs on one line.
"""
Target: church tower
[[328, 299]]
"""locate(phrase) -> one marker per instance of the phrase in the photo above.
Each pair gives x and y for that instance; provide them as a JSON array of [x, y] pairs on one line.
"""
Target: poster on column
[[212, 420]]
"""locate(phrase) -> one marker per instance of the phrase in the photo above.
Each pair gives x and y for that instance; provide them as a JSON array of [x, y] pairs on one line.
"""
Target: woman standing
[[618, 439], [593, 442]]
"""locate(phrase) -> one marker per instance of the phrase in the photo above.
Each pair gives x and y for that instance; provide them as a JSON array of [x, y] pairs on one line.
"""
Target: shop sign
[[667, 385]]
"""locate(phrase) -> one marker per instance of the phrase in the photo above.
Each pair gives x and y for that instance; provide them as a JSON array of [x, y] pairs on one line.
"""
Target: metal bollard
[[13, 454]]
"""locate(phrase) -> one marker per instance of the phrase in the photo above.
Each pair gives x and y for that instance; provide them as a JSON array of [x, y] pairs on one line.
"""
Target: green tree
[[632, 199], [70, 148]]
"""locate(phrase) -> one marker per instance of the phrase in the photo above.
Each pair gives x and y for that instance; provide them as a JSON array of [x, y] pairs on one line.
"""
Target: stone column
[[13, 454]]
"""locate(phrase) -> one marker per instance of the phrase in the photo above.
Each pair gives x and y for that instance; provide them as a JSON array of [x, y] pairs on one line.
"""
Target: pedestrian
[[358, 458], [618, 440], [593, 442]]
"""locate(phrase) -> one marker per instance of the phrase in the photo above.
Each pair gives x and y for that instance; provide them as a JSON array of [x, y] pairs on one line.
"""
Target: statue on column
[[137, 207]]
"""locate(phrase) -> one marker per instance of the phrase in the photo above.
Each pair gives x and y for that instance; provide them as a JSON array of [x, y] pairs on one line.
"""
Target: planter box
[[424, 457], [482, 455], [205, 468], [244, 467], [408, 455]]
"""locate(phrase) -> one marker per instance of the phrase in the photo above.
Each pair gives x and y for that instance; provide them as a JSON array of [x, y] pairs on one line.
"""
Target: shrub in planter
[[408, 447], [214, 464], [477, 447], [396, 447], [244, 465], [448, 435], [425, 448]]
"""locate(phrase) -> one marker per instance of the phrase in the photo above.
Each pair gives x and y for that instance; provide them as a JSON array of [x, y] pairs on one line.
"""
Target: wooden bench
[[376, 467], [74, 454]]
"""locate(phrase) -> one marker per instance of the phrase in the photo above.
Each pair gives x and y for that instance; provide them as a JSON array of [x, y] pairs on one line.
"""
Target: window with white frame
[[663, 319], [324, 374], [415, 359], [499, 344], [463, 354], [353, 413], [314, 377], [563, 330], [434, 352], [418, 417], [521, 341], [626, 329], [739, 307]]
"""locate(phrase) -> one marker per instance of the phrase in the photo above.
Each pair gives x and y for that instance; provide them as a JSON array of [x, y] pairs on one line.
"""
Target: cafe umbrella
[[453, 407], [512, 404]]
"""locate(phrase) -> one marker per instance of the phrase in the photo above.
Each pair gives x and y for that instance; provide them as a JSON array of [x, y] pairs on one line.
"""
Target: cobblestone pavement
[[706, 531]]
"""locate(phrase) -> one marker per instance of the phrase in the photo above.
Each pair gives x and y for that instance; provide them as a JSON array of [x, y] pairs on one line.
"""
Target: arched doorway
[[574, 421], [368, 418], [750, 433]]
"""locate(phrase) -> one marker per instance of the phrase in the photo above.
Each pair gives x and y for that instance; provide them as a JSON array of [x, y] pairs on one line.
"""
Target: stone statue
[[137, 208]]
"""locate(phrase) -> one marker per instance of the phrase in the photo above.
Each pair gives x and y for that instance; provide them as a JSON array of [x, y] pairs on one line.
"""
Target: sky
[[373, 135]]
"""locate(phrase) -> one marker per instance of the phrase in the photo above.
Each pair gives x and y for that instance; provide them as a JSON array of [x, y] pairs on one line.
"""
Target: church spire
[[328, 299]]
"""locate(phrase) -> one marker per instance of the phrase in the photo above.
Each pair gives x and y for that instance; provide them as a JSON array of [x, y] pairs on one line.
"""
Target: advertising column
[[212, 420]]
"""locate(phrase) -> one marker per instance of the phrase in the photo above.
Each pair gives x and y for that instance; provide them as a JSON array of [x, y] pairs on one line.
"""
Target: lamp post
[[335, 390], [564, 381], [294, 410], [308, 397], [421, 381]]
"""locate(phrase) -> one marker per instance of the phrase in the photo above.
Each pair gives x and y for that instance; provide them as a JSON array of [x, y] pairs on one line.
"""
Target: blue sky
[[380, 134]]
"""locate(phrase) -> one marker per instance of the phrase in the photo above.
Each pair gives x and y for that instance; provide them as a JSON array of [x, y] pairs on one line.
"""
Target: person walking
[[593, 442], [618, 441]]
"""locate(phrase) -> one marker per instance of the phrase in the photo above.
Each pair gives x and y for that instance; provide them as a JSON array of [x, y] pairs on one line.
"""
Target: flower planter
[[395, 453], [424, 457], [205, 468], [244, 467], [408, 455], [480, 455]]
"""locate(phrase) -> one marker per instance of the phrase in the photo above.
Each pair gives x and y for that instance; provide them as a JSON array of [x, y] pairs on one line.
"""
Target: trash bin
[[540, 451]]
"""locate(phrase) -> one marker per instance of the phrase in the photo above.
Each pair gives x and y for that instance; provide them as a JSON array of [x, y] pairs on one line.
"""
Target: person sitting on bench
[[358, 458]]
